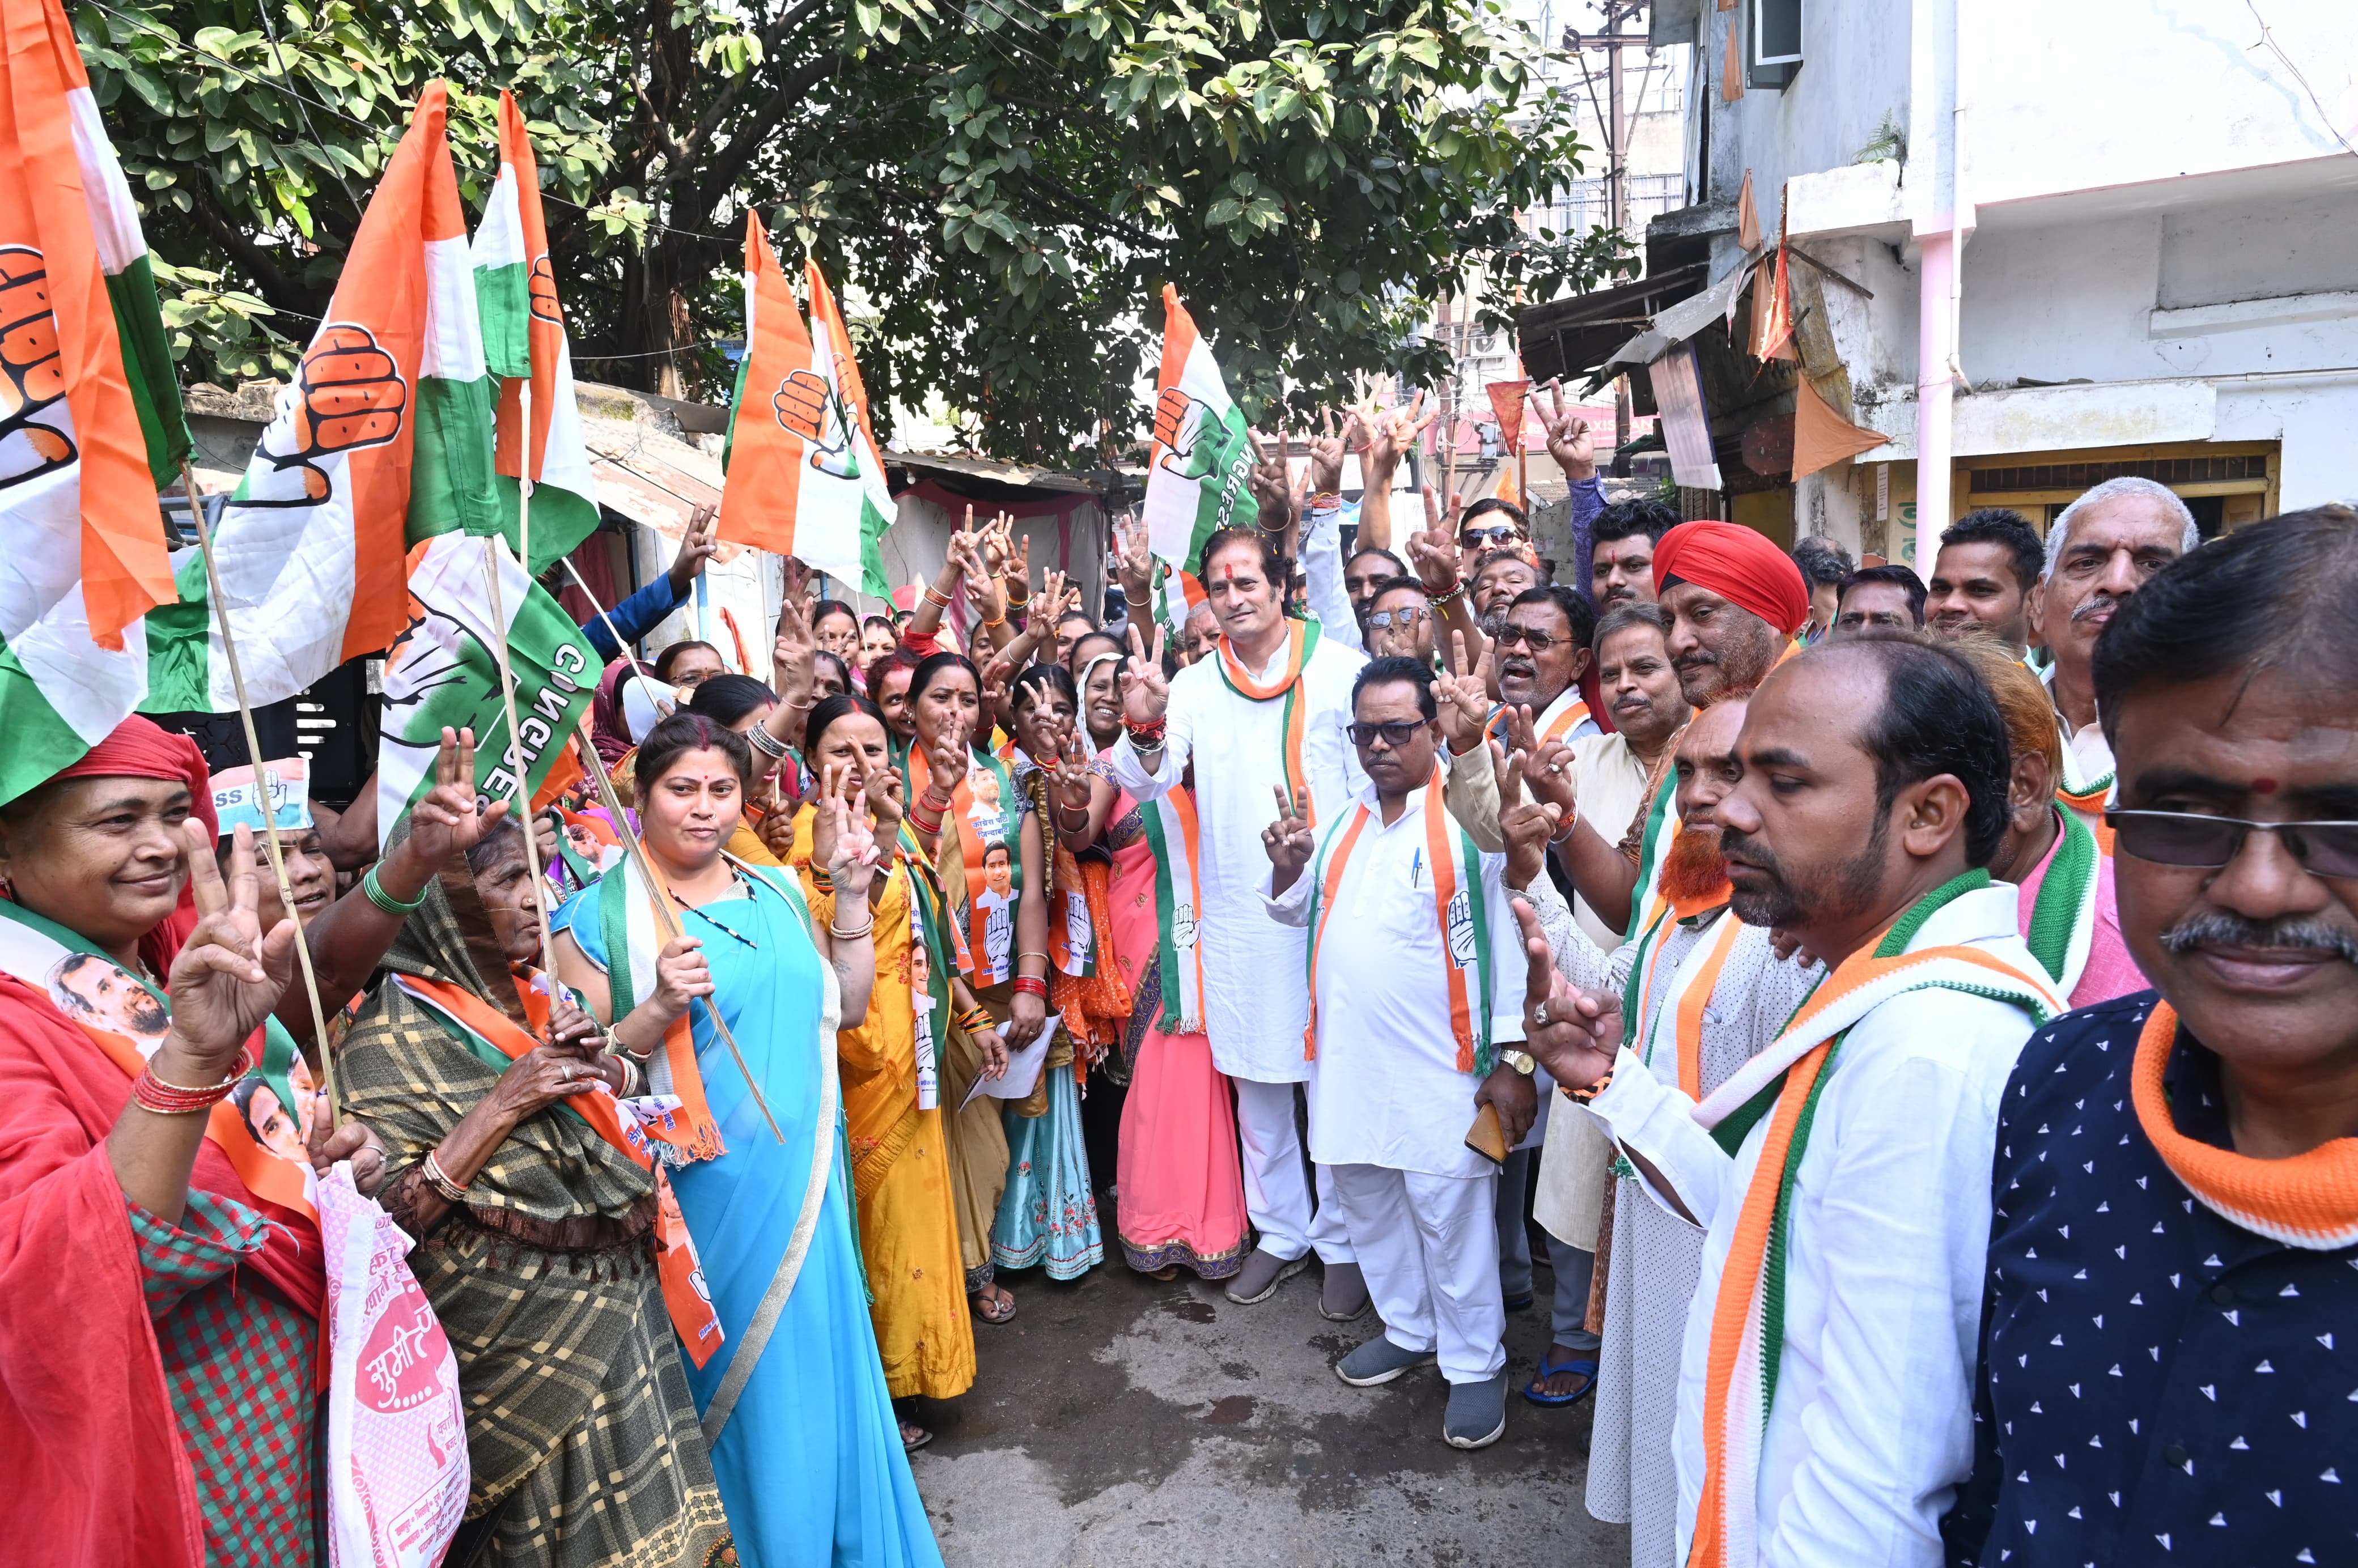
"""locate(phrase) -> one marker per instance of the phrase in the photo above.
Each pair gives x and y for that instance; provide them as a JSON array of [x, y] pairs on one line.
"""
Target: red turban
[[1739, 566]]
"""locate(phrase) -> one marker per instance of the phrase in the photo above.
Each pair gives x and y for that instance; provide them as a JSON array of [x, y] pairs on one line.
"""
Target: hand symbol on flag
[[1178, 428], [347, 395], [32, 378], [542, 286], [805, 404]]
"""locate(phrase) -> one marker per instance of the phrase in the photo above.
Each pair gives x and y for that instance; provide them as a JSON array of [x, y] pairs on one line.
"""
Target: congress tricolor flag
[[1202, 453], [384, 437], [525, 343], [805, 477], [91, 423]]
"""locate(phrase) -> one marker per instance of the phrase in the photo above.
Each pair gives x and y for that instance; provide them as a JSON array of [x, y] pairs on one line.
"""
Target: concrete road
[[1119, 1419]]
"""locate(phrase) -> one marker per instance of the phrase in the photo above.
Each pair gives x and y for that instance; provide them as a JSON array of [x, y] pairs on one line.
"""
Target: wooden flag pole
[[664, 915], [514, 749], [267, 779]]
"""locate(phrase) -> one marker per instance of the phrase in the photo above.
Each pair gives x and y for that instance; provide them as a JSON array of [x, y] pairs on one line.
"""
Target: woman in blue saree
[[792, 1396]]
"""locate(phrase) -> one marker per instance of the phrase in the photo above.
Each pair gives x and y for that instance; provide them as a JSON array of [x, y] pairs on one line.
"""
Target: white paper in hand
[[1022, 1068]]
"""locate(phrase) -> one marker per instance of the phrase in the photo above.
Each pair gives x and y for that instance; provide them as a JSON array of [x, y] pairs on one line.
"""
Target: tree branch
[[282, 291]]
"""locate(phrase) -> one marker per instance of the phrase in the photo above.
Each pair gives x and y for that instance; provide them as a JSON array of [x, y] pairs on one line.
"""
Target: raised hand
[[1464, 702], [1145, 693], [1574, 1034], [1548, 771], [1288, 840], [228, 976], [1433, 551], [1075, 785], [1392, 434], [1326, 453], [355, 1139], [1569, 441], [697, 546], [796, 643], [851, 844], [1048, 605], [1526, 826], [446, 821], [1136, 566], [884, 803]]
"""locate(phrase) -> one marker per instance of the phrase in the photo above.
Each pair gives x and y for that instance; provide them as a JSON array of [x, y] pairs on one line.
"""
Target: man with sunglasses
[[1399, 621], [1416, 1018], [2167, 1350], [1490, 525]]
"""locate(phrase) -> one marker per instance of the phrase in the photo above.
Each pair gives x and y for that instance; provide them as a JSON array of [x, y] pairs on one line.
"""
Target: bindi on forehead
[[2263, 786]]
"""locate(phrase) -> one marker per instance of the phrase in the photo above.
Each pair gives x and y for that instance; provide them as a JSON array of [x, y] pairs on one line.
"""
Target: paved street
[[1119, 1419]]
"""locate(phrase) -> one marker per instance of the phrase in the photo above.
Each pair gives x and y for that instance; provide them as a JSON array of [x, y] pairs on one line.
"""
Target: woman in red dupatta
[[157, 1398]]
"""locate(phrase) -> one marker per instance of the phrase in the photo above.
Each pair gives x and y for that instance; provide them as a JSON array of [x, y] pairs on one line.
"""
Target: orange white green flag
[[525, 343], [91, 425], [1202, 453], [382, 437], [804, 476]]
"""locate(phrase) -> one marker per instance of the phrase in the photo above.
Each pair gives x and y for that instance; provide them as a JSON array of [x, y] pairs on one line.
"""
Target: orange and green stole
[[1782, 1086], [1301, 641]]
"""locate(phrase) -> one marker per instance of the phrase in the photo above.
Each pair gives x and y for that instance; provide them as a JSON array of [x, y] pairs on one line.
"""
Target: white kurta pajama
[[1254, 1006], [1871, 1428], [1390, 1105], [1656, 1256]]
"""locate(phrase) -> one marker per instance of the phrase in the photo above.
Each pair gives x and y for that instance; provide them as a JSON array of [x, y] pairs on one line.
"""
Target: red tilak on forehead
[[2264, 786], [1228, 570]]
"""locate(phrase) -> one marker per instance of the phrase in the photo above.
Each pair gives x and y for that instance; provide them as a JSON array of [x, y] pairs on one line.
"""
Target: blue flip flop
[[1549, 1367]]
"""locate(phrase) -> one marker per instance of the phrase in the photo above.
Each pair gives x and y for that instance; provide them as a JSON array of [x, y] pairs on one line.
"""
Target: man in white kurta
[[1255, 1008], [1868, 1422], [1395, 1090]]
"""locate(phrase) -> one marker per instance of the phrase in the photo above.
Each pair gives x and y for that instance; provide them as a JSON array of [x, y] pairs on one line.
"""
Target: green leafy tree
[[999, 190]]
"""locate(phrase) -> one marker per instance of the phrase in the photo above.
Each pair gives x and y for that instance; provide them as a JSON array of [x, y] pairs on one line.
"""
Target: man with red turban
[[1734, 600]]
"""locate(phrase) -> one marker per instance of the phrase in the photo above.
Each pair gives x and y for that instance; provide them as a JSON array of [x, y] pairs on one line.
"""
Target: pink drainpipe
[[1935, 387]]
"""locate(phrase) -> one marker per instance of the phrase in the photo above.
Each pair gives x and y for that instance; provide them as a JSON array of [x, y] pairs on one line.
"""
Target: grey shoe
[[1343, 1295], [1378, 1361], [1476, 1416], [1262, 1273]]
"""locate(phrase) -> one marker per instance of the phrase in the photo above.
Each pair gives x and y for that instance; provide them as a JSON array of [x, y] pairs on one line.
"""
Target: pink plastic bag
[[397, 1472]]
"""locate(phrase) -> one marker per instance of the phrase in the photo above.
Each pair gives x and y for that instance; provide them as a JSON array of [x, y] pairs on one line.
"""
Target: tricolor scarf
[[1301, 641], [1683, 1001], [635, 938], [35, 949], [497, 1040], [2063, 915], [1458, 905], [1783, 1085], [1172, 837], [1661, 827], [2310, 1201], [979, 825], [2082, 794]]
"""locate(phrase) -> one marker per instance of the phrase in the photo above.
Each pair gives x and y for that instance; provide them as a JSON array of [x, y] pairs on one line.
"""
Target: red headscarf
[[141, 749], [1741, 566]]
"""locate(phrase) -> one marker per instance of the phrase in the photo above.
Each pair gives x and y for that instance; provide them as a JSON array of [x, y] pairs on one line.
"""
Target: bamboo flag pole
[[268, 780], [514, 749], [664, 915]]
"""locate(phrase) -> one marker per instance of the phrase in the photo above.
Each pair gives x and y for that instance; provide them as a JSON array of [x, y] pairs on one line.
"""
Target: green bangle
[[386, 900]]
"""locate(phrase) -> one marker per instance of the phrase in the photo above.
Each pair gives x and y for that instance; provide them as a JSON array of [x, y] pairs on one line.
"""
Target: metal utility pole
[[1617, 130]]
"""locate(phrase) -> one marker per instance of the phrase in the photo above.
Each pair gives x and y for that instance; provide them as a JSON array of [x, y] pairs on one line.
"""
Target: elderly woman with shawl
[[535, 1206], [160, 1271], [715, 975]]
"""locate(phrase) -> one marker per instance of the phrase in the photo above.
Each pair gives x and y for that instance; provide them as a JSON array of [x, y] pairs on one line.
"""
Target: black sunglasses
[[1397, 732], [2192, 840], [1473, 538]]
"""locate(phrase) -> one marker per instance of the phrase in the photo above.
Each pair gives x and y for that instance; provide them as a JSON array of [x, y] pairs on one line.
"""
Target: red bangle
[[1026, 986], [174, 1099], [1147, 734]]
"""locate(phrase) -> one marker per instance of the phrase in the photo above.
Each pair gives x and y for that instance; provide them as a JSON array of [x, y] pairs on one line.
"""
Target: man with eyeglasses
[[1415, 1021], [2100, 551], [2167, 1350], [1490, 525], [1399, 621]]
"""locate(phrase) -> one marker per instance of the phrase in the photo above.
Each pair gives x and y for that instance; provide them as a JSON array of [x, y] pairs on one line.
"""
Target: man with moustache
[[1989, 562], [1824, 1409], [1267, 708], [1733, 601], [1366, 571], [1415, 1017], [1540, 653], [1702, 993], [1622, 565], [2102, 549], [1399, 621], [2167, 1350]]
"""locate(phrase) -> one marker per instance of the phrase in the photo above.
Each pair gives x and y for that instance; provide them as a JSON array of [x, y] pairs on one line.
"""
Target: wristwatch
[[1522, 1062]]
